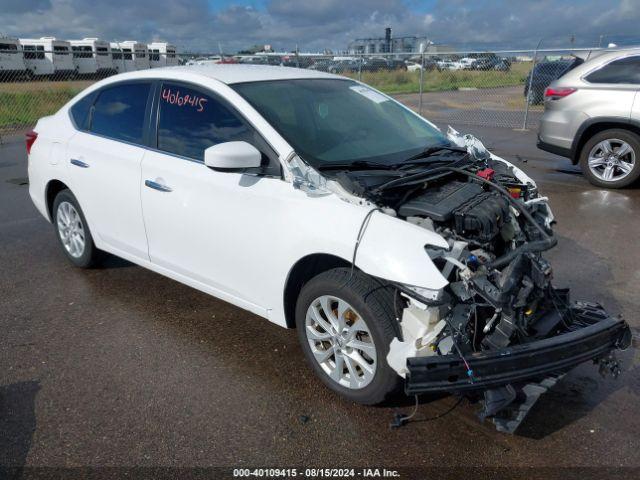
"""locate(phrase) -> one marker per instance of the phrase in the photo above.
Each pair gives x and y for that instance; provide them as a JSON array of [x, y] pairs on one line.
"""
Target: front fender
[[394, 250]]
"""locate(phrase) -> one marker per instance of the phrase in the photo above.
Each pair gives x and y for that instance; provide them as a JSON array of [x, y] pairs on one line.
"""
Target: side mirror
[[232, 156]]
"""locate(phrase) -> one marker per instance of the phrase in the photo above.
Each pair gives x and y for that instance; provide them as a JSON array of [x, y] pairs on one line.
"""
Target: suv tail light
[[30, 139], [556, 93]]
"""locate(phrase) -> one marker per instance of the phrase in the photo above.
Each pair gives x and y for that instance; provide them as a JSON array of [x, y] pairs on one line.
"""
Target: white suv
[[400, 254]]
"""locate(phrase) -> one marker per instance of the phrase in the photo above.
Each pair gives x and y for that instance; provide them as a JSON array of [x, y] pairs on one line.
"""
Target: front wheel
[[345, 324], [611, 158]]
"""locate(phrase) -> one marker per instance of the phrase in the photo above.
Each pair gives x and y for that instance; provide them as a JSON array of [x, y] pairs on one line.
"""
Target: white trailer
[[92, 56], [134, 55], [11, 61], [162, 54], [117, 57], [47, 56]]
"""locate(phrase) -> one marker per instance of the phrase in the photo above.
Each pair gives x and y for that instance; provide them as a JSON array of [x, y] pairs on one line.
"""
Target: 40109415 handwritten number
[[186, 100]]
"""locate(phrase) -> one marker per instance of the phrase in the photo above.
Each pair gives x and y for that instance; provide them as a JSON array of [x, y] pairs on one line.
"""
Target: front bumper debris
[[512, 379], [520, 363]]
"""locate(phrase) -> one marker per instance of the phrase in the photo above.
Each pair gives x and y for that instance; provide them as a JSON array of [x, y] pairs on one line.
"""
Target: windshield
[[340, 121]]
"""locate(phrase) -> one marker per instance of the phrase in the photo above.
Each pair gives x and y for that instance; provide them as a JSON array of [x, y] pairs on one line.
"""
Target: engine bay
[[500, 294]]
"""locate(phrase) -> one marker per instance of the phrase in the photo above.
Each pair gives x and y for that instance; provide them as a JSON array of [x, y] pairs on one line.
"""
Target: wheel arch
[[302, 271], [52, 189], [596, 125]]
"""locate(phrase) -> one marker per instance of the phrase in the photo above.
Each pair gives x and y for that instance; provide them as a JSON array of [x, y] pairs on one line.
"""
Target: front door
[[202, 224]]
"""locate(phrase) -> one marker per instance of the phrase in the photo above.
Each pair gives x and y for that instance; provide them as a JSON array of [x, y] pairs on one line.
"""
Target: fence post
[[421, 82], [526, 98], [360, 67]]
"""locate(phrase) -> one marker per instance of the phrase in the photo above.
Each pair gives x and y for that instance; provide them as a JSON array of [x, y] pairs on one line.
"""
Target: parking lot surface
[[119, 366]]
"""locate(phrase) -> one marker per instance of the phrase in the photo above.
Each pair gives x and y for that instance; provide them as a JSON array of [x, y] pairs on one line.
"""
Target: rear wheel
[[73, 232], [345, 325], [611, 158]]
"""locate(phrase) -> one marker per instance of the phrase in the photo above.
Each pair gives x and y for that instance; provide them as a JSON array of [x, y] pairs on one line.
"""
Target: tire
[[624, 170], [69, 221], [367, 300]]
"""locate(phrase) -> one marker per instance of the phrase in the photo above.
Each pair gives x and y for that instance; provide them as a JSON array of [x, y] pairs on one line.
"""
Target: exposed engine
[[499, 293], [500, 287]]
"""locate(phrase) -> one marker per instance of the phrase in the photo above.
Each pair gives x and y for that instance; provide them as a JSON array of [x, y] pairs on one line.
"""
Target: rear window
[[119, 112], [33, 52], [624, 70], [80, 111], [8, 47], [83, 51], [552, 68]]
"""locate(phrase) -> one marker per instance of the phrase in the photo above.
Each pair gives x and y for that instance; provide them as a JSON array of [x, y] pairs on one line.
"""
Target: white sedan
[[400, 254]]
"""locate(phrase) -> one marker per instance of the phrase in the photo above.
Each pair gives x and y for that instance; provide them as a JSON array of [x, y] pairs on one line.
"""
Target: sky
[[315, 25]]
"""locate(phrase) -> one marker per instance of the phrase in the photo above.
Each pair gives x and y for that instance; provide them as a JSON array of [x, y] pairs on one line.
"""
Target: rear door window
[[119, 112], [624, 70]]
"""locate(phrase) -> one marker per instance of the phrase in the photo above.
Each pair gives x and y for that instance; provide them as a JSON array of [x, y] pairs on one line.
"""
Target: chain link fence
[[501, 88]]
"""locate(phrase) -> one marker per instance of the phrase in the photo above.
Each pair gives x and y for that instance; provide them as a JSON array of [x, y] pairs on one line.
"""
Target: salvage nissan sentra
[[402, 255]]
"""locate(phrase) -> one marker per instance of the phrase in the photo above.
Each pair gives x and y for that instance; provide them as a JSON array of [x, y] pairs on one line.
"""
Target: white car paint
[[231, 235]]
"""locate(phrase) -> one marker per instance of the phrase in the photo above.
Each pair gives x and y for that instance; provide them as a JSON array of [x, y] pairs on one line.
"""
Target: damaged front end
[[499, 331]]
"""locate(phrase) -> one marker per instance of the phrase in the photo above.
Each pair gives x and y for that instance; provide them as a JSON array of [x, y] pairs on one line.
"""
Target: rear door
[[104, 159]]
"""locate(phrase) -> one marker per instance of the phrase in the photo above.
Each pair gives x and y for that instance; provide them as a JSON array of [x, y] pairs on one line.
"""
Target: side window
[[118, 112], [625, 70], [191, 121], [80, 111]]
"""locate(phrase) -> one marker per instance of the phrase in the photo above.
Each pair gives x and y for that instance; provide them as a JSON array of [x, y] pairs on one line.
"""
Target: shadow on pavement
[[17, 424]]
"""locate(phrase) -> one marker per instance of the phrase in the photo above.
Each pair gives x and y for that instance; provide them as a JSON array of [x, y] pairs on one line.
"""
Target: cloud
[[22, 6], [318, 24]]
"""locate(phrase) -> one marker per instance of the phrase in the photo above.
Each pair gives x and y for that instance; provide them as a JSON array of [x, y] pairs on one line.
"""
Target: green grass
[[435, 81], [19, 109]]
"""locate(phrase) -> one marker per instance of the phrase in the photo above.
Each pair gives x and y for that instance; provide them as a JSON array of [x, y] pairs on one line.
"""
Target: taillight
[[30, 139], [556, 93]]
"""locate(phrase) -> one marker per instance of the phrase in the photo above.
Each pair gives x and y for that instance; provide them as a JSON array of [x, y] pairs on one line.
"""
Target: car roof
[[230, 73]]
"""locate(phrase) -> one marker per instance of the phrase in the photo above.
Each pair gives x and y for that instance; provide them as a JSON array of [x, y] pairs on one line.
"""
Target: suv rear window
[[119, 112], [624, 70]]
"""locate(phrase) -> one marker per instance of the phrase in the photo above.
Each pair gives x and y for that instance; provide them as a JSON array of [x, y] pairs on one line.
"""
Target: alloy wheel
[[341, 342], [70, 229], [611, 160]]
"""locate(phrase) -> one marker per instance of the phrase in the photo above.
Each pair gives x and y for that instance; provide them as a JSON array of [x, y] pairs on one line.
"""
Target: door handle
[[79, 163], [157, 186]]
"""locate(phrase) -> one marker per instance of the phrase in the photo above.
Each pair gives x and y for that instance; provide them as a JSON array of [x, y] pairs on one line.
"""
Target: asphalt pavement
[[119, 366]]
